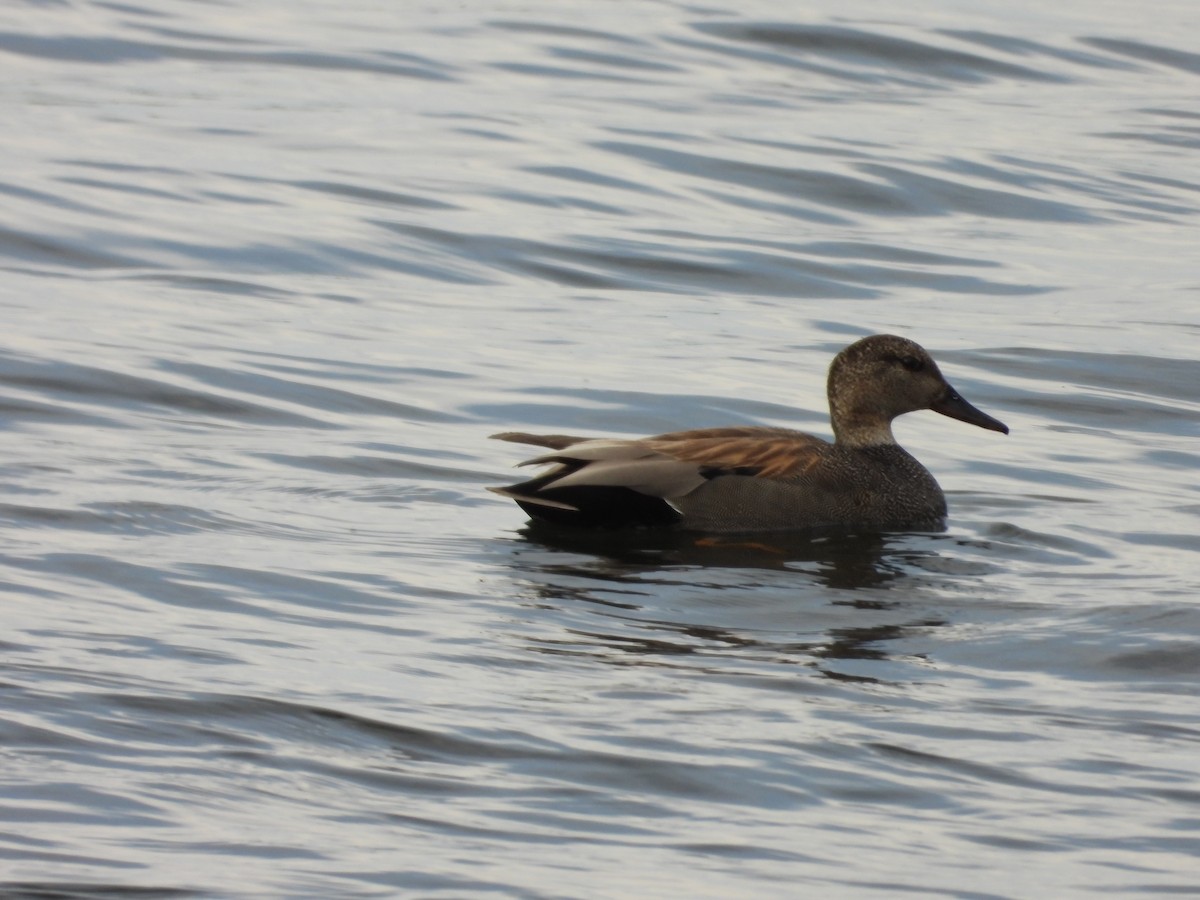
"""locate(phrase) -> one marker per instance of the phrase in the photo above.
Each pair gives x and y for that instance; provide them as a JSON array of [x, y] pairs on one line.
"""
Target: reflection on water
[[627, 573], [837, 561]]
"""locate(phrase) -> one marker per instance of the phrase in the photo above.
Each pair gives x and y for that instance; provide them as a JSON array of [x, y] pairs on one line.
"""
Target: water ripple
[[852, 54], [109, 51]]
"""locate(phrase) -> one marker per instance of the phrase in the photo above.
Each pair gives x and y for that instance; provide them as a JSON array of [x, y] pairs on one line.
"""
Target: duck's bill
[[956, 407]]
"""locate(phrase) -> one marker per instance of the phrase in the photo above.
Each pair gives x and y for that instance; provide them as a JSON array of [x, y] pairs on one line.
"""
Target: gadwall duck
[[760, 479]]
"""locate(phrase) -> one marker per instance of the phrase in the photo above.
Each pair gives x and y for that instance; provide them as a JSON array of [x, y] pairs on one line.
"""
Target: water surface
[[271, 276]]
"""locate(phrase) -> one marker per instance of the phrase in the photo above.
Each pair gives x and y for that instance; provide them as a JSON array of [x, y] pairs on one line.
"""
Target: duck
[[761, 478]]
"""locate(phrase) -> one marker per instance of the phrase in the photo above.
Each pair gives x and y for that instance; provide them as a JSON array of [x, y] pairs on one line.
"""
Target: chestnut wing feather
[[762, 452]]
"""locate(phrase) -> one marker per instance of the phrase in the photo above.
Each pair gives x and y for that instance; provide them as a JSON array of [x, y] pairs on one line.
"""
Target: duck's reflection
[[837, 561], [835, 604]]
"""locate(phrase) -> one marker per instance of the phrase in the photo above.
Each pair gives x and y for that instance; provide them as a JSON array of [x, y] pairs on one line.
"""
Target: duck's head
[[883, 376]]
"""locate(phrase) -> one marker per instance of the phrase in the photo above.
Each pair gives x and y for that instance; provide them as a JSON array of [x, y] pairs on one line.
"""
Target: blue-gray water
[[272, 272]]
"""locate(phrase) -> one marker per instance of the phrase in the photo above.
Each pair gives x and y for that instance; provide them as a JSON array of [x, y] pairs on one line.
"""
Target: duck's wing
[[624, 482], [759, 452], [587, 463]]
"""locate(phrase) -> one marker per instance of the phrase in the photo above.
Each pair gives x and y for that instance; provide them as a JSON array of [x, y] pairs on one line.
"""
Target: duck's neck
[[859, 433]]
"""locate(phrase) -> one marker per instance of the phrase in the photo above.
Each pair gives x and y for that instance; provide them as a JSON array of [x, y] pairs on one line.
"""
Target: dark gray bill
[[956, 407]]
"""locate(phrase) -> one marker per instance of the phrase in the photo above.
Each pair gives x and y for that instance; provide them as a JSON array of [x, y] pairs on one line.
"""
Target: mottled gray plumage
[[762, 479]]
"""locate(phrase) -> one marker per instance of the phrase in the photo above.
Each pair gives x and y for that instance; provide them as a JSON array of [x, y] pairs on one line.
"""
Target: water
[[272, 272]]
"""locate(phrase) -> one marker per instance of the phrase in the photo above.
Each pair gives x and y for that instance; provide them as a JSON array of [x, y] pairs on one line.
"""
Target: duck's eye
[[912, 363]]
